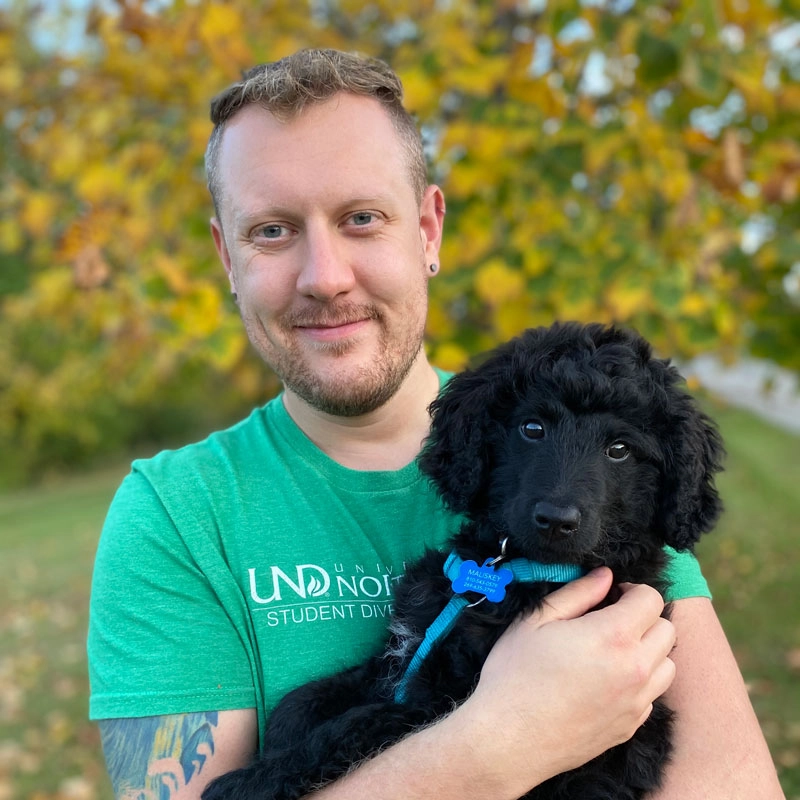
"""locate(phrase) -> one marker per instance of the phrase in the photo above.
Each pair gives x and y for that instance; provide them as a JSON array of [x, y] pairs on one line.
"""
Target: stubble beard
[[358, 390]]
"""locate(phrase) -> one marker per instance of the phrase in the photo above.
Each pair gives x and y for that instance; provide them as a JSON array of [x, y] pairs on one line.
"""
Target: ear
[[218, 236], [431, 223], [693, 453], [467, 428], [457, 455]]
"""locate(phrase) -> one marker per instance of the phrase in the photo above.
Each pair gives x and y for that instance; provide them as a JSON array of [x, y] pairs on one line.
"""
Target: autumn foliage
[[602, 160]]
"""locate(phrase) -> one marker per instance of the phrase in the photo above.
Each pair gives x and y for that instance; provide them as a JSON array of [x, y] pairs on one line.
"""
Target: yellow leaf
[[491, 143], [219, 22], [138, 230], [475, 236], [439, 324], [693, 383], [38, 212], [535, 261], [625, 299], [676, 184], [512, 318], [465, 179], [10, 235], [450, 356], [479, 78], [693, 304], [578, 308], [222, 31], [100, 183], [420, 91], [496, 282], [198, 131], [172, 272], [725, 322], [11, 78], [198, 313], [72, 156], [751, 85]]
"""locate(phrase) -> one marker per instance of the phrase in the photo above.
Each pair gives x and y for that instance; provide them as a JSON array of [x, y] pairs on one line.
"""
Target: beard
[[372, 387], [358, 388]]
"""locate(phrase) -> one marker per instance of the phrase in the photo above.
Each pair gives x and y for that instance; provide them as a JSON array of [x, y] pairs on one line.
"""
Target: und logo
[[311, 581]]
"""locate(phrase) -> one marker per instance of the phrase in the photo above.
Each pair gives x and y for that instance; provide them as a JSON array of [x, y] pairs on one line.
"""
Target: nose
[[325, 271], [560, 520]]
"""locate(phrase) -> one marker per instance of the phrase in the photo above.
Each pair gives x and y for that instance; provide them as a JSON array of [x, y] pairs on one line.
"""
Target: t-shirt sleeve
[[684, 576], [160, 639]]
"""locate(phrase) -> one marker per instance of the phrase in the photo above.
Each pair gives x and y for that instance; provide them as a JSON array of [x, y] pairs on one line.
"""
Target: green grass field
[[49, 751]]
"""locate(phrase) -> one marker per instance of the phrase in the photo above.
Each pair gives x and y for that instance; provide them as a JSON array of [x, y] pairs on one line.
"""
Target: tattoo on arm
[[155, 758]]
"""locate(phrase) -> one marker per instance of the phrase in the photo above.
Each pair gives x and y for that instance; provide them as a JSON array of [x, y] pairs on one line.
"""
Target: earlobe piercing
[[434, 268]]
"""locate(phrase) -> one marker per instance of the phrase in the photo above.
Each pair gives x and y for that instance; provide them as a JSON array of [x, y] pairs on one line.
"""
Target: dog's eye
[[618, 451], [532, 429]]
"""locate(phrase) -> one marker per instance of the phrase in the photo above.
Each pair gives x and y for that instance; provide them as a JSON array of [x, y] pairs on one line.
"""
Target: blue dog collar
[[523, 570], [468, 576]]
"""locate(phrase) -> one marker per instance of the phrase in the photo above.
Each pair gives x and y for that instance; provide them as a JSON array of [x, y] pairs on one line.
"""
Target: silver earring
[[434, 268]]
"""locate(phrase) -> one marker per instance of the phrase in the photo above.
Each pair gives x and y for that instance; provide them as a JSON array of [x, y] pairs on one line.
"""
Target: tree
[[608, 160]]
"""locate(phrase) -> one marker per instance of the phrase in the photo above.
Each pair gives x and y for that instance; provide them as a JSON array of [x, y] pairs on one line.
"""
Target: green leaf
[[659, 59]]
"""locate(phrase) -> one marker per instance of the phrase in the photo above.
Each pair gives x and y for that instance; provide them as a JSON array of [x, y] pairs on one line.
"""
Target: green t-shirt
[[232, 570]]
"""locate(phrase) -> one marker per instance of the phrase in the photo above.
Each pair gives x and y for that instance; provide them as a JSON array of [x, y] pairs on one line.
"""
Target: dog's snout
[[556, 519]]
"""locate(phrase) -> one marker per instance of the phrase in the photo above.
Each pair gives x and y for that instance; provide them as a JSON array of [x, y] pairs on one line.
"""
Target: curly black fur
[[575, 444]]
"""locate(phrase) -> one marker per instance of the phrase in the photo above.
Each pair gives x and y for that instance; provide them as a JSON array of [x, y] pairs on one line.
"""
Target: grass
[[48, 751], [751, 563]]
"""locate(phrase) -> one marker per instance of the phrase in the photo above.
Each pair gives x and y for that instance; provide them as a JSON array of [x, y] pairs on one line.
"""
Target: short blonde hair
[[286, 87]]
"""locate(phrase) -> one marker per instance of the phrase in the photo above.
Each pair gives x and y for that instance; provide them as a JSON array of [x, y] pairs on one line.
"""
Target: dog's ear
[[693, 453], [457, 455]]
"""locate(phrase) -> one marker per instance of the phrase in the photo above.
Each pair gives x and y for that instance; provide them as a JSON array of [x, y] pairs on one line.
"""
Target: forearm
[[555, 692], [445, 760], [175, 756], [720, 751]]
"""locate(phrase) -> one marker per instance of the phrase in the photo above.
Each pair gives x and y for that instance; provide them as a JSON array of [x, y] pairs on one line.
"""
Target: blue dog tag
[[485, 580]]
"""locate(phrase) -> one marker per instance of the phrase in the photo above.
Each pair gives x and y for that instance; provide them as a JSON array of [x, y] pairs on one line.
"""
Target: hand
[[562, 685]]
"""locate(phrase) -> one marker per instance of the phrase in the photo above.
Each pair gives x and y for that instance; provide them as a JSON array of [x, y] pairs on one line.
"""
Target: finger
[[639, 605], [660, 637], [660, 681], [663, 676], [645, 715], [574, 599]]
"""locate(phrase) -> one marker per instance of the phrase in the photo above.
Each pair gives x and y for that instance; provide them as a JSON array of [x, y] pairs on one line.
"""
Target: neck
[[388, 438]]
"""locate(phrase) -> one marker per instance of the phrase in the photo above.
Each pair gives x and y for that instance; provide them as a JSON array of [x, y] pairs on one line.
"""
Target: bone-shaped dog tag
[[485, 580]]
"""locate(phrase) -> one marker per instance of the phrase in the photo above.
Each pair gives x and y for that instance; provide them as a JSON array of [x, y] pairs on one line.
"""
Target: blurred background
[[609, 160]]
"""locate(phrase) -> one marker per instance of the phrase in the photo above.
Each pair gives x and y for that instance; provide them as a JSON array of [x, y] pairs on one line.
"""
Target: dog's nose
[[557, 519]]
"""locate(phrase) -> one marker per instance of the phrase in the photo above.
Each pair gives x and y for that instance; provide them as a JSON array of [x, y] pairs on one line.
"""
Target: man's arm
[[720, 751], [175, 756], [560, 687], [557, 689]]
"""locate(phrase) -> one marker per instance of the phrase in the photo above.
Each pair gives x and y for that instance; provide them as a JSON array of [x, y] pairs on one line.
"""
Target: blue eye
[[272, 231], [363, 218], [532, 429]]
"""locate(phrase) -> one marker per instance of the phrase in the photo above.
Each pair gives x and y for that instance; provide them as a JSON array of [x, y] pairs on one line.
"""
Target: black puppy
[[570, 447]]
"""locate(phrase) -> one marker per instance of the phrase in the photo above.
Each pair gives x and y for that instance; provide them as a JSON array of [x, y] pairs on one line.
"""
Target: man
[[234, 569]]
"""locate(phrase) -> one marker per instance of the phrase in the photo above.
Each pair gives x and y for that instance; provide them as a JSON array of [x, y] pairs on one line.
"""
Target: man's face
[[327, 249]]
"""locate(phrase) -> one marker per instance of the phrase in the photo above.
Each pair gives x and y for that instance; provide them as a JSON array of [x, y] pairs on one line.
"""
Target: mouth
[[554, 549], [331, 332], [330, 324]]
